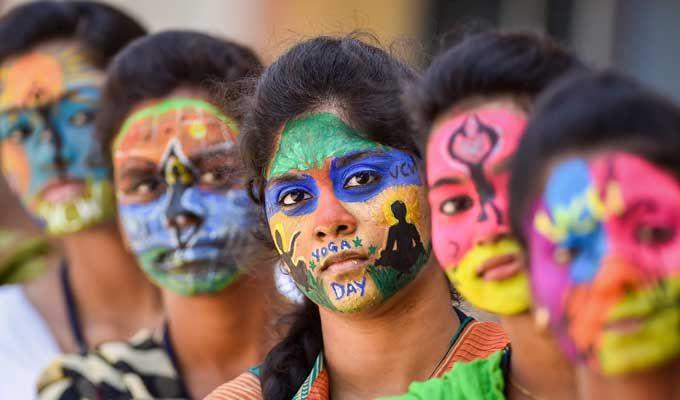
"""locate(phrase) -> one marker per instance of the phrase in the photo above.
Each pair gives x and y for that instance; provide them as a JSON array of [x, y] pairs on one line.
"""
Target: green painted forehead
[[173, 104], [307, 142]]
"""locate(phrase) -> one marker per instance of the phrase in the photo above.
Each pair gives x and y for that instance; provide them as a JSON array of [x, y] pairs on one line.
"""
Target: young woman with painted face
[[595, 198], [186, 215], [473, 103], [340, 180], [52, 60]]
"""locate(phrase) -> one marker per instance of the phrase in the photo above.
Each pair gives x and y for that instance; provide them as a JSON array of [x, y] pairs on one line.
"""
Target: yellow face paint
[[507, 296]]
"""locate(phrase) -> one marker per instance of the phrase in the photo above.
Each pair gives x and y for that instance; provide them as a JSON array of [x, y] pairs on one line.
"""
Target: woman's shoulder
[[244, 387], [474, 340], [479, 379], [481, 339], [137, 368]]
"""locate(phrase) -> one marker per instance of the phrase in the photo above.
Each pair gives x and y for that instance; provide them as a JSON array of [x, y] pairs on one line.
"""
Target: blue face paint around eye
[[382, 170], [278, 191], [566, 196]]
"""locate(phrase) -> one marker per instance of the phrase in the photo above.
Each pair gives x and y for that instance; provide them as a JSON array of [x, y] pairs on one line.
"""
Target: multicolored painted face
[[468, 157], [181, 198], [347, 214], [48, 152], [604, 244]]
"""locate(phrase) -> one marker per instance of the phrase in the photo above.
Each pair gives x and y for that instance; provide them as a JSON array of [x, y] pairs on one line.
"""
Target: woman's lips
[[626, 325], [62, 190], [499, 268], [345, 261]]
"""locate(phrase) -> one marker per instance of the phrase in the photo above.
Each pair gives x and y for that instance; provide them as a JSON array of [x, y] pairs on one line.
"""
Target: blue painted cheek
[[144, 225], [83, 155], [225, 213], [40, 153], [278, 191], [587, 263], [569, 180], [393, 168]]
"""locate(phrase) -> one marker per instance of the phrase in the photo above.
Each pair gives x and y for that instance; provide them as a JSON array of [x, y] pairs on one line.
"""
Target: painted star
[[372, 249], [357, 242]]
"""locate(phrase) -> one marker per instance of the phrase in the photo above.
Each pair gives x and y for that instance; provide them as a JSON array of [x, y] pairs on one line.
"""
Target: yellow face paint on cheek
[[503, 296], [655, 342]]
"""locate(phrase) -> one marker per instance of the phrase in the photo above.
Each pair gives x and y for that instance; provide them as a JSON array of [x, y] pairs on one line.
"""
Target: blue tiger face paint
[[185, 212], [48, 151], [347, 215]]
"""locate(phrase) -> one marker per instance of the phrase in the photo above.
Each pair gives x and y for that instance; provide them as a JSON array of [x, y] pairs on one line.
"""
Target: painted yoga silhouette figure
[[403, 245]]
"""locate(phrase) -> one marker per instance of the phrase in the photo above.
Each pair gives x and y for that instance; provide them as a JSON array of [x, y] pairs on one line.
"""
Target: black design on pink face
[[471, 144]]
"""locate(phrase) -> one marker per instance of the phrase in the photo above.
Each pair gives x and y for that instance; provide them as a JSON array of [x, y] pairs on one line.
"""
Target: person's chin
[[187, 277], [642, 343], [88, 207], [195, 281], [508, 296]]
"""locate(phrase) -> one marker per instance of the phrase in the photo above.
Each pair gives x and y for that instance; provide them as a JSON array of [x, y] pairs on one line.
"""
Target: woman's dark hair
[[155, 65], [102, 29], [587, 113], [486, 64], [365, 84]]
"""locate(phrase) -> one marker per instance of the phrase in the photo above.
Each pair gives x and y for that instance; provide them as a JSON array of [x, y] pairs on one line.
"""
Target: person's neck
[[216, 337], [659, 383], [112, 294], [380, 352], [537, 364]]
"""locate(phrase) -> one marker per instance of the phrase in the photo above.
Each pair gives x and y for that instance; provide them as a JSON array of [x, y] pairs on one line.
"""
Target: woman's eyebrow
[[136, 171], [350, 158], [288, 177], [449, 180], [214, 152]]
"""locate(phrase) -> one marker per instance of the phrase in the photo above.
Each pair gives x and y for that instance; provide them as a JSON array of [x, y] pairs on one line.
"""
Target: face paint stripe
[[169, 105], [332, 138]]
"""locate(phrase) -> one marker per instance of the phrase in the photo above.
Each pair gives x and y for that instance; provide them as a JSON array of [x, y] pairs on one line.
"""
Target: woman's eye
[[361, 179], [209, 178], [564, 255], [456, 205], [294, 197], [218, 177], [146, 187], [81, 118], [20, 133], [654, 235]]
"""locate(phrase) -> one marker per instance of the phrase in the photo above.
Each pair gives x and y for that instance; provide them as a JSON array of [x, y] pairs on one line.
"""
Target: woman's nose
[[332, 218]]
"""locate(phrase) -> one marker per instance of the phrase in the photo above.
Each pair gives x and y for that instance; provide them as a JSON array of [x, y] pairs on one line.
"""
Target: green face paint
[[332, 138]]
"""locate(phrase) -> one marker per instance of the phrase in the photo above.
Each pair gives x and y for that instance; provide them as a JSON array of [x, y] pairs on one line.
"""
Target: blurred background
[[634, 36]]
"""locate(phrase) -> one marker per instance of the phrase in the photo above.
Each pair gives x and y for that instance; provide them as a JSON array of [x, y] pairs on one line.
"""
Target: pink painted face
[[604, 244], [468, 157]]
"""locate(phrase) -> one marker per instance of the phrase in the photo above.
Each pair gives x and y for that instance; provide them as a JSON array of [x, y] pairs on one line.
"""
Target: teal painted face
[[49, 154], [348, 215]]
